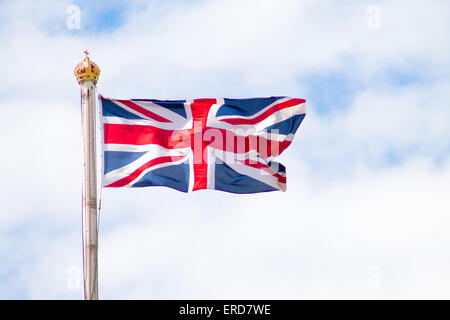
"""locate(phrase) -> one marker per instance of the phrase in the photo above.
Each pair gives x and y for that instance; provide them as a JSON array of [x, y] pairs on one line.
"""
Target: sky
[[366, 212]]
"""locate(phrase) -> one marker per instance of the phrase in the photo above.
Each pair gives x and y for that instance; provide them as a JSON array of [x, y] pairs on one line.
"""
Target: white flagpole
[[87, 74]]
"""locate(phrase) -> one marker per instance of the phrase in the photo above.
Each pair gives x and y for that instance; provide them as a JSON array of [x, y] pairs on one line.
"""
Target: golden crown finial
[[87, 70]]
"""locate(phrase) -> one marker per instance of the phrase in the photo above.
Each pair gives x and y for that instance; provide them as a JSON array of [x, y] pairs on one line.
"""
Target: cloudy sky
[[366, 213]]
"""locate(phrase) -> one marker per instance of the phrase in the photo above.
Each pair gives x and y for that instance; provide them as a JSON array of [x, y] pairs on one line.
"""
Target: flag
[[221, 144]]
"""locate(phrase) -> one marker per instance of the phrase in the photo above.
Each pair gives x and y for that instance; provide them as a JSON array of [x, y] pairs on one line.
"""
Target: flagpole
[[87, 74]]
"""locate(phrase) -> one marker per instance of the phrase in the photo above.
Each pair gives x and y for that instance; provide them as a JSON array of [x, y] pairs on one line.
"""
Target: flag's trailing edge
[[188, 145]]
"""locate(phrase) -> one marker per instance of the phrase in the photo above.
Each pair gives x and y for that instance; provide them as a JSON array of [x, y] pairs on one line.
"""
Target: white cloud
[[380, 127]]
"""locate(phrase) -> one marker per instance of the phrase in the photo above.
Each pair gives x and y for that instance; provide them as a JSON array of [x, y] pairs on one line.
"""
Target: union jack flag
[[188, 145]]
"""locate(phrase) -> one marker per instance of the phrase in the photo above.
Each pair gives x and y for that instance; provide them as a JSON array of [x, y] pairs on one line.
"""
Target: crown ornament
[[87, 70]]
